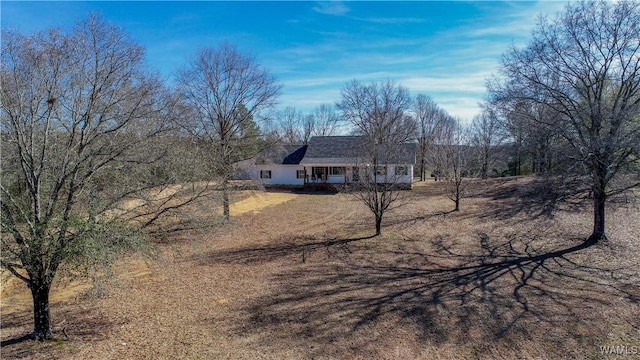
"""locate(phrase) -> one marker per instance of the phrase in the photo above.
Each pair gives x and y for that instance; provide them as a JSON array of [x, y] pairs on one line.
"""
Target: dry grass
[[506, 277]]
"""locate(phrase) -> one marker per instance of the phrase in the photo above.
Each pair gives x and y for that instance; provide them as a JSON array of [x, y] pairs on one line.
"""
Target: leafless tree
[[295, 127], [535, 147], [585, 67], [325, 120], [226, 88], [430, 120], [485, 136], [83, 127], [378, 112], [453, 158], [291, 125]]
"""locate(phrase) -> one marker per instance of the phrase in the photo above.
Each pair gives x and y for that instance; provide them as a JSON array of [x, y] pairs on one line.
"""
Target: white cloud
[[383, 20], [452, 66], [335, 8], [465, 83], [519, 23], [463, 108]]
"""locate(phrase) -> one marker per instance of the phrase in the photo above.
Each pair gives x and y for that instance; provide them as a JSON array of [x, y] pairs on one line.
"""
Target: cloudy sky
[[443, 49]]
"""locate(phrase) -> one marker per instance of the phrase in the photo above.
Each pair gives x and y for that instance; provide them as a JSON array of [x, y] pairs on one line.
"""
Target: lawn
[[303, 278]]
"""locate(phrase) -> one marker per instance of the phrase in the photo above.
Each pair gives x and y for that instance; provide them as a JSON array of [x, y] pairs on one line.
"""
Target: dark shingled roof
[[341, 149], [332, 150], [335, 147], [282, 154]]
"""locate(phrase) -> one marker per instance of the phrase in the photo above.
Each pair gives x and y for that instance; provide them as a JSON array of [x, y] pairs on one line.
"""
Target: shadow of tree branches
[[534, 197], [73, 324], [297, 247], [509, 291]]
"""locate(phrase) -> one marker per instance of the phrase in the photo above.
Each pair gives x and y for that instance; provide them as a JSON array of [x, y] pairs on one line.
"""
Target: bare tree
[[585, 67], [226, 88], [453, 158], [535, 147], [429, 118], [485, 135], [378, 112], [292, 126], [82, 127], [295, 127], [325, 120]]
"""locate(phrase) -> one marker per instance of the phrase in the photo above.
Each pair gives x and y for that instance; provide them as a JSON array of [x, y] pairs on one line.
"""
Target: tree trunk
[[225, 201], [41, 316], [378, 225], [422, 177], [599, 200], [458, 193]]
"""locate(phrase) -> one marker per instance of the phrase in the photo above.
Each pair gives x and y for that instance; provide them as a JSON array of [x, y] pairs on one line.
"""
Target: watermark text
[[619, 350]]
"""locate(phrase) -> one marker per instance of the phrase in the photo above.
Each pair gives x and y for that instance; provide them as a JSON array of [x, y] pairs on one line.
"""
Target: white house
[[332, 160]]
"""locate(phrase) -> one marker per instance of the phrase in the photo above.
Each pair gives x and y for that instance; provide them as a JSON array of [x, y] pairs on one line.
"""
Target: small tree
[[377, 111], [453, 158], [226, 88]]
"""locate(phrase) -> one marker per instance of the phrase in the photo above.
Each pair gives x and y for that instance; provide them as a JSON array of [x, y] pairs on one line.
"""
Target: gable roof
[[352, 149], [332, 150]]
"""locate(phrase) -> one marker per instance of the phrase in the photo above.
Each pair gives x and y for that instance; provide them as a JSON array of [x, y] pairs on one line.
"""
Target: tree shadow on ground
[[510, 292], [534, 197], [413, 219], [16, 340], [300, 247], [70, 323]]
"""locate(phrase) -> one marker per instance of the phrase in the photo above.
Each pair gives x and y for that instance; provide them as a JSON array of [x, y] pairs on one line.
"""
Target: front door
[[319, 173]]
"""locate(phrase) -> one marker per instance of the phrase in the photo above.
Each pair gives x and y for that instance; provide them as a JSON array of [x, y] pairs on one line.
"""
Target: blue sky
[[443, 49]]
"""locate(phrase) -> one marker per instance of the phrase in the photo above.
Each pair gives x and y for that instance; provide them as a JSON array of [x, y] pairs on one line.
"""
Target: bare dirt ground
[[506, 277]]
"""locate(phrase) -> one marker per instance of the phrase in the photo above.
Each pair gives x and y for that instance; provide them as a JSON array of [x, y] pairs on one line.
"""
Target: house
[[331, 160]]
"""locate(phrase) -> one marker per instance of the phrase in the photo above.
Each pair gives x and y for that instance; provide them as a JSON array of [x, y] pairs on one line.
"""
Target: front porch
[[326, 175]]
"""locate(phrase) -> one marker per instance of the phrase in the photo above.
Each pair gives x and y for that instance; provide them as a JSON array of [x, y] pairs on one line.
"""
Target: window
[[300, 174], [265, 174], [402, 170], [336, 170], [381, 170]]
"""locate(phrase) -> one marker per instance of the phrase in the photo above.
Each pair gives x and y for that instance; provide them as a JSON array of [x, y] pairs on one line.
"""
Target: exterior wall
[[280, 174], [405, 179], [286, 175], [392, 177]]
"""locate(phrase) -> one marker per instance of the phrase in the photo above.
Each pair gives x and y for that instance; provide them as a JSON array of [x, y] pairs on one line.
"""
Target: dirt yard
[[301, 277]]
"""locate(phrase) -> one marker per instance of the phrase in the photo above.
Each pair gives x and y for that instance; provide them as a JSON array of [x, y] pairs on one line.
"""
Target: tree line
[[96, 148]]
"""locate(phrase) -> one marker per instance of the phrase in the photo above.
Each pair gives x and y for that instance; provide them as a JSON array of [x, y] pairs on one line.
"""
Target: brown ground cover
[[506, 277]]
